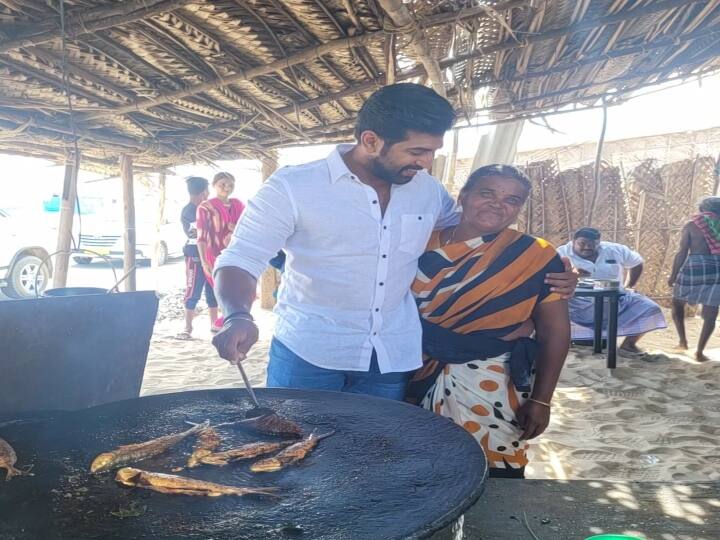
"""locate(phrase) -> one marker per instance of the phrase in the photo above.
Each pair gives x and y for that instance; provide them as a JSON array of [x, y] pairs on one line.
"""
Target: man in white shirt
[[353, 226], [593, 258]]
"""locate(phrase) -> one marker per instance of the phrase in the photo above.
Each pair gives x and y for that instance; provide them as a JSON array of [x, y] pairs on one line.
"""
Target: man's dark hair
[[395, 109], [710, 204], [505, 171], [587, 232], [196, 185]]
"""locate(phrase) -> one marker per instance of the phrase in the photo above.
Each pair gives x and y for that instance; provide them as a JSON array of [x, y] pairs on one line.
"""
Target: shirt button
[[374, 202], [420, 217], [374, 333], [377, 309], [384, 256], [381, 284], [385, 227]]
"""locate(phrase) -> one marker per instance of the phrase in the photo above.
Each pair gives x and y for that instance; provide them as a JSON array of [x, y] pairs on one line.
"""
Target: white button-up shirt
[[345, 289], [612, 260]]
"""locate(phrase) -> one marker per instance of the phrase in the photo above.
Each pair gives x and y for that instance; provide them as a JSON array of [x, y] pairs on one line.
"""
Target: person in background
[[695, 275], [353, 226], [196, 281], [216, 220], [593, 258]]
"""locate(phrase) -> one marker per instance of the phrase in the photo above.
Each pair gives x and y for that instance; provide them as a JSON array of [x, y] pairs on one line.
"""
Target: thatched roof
[[172, 81]]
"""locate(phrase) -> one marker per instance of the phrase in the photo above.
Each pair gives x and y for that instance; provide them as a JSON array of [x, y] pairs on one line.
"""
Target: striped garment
[[486, 287], [699, 281]]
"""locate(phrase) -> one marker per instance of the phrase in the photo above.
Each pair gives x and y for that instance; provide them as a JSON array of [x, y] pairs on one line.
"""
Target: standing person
[[481, 367], [195, 276], [637, 314], [216, 220], [353, 226], [695, 275]]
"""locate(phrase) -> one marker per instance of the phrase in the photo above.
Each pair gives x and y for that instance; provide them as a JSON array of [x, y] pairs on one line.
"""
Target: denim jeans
[[287, 370]]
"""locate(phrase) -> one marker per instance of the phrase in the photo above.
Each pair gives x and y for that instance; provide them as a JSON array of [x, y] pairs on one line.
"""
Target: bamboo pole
[[162, 196], [67, 211], [126, 172], [270, 278], [402, 18]]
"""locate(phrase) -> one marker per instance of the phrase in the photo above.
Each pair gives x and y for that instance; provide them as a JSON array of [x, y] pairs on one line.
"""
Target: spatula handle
[[248, 385]]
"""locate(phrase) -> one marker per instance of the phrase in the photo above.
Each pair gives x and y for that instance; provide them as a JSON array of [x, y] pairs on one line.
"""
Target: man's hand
[[671, 281], [235, 339], [533, 419], [563, 283]]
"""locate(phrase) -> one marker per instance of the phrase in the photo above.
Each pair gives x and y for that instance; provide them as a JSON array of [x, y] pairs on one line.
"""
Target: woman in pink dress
[[216, 220]]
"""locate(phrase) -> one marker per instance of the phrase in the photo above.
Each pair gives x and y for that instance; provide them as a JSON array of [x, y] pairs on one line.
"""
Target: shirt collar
[[335, 162]]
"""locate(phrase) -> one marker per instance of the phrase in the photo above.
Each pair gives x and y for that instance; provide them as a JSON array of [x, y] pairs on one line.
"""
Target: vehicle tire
[[82, 260], [161, 254], [21, 279]]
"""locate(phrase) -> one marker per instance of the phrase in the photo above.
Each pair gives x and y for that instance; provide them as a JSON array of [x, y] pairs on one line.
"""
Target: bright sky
[[691, 106]]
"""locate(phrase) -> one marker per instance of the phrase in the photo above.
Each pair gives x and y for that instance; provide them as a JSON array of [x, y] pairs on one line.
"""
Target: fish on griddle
[[8, 458], [247, 451], [208, 440], [180, 485], [132, 453], [273, 424], [290, 455]]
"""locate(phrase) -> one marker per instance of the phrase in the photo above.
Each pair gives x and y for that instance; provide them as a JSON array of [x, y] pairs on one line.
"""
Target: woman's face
[[493, 203], [224, 187]]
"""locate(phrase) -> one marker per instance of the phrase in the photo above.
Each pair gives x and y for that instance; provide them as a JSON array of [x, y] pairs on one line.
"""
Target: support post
[[129, 213], [270, 278], [162, 196], [67, 212]]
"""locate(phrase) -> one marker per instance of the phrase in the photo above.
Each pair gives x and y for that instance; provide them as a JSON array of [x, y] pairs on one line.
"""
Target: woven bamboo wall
[[644, 208]]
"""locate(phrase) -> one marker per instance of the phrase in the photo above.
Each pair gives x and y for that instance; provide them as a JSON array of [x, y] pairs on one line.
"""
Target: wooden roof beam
[[405, 21], [77, 25], [297, 58]]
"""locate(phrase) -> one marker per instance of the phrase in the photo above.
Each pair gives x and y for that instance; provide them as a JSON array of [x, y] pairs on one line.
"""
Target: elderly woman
[[481, 292]]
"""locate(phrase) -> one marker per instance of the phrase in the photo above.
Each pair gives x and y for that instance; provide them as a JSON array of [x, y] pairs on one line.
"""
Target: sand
[[654, 419]]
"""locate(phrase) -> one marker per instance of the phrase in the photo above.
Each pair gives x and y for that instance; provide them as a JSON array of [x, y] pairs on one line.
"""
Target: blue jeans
[[287, 370]]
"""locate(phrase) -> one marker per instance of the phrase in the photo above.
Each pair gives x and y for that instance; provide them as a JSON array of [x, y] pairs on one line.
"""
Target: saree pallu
[[480, 291]]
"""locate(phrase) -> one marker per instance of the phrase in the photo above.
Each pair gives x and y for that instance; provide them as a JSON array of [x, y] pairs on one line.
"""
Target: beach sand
[[653, 419]]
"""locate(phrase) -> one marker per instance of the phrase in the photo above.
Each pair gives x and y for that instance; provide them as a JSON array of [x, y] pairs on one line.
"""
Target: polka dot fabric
[[483, 400]]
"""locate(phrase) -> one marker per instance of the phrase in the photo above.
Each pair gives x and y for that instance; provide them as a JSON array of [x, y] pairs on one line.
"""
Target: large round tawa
[[391, 470]]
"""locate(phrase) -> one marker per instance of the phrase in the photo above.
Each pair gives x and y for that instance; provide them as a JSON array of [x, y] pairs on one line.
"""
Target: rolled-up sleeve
[[265, 225]]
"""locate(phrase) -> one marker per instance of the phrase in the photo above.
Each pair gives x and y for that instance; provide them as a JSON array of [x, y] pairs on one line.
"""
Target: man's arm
[[681, 255], [633, 276], [449, 214], [266, 224]]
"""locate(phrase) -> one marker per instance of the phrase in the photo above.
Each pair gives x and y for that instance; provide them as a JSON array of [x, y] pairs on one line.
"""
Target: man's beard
[[378, 168]]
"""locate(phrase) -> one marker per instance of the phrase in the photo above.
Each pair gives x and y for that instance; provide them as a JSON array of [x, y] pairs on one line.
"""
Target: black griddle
[[391, 470]]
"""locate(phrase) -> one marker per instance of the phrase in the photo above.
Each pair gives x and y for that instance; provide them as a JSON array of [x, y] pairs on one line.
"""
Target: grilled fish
[[8, 458], [290, 455], [181, 485], [131, 453], [207, 441], [247, 451], [273, 425]]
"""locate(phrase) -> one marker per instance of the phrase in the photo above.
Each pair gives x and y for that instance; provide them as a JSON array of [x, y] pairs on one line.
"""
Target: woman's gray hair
[[497, 169]]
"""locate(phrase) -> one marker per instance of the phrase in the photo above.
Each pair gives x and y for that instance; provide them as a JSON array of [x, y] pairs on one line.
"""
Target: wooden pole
[[162, 196], [270, 278], [129, 209], [67, 212]]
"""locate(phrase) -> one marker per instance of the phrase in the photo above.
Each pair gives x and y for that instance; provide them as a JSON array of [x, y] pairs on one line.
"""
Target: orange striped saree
[[471, 294]]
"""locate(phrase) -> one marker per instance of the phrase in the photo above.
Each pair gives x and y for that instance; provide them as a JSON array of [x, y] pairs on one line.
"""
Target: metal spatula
[[257, 410]]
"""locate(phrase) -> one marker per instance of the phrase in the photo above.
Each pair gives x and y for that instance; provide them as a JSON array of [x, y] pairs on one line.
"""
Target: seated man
[[608, 260]]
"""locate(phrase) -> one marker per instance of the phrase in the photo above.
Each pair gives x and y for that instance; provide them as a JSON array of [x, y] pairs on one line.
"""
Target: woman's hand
[[563, 283], [533, 419]]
